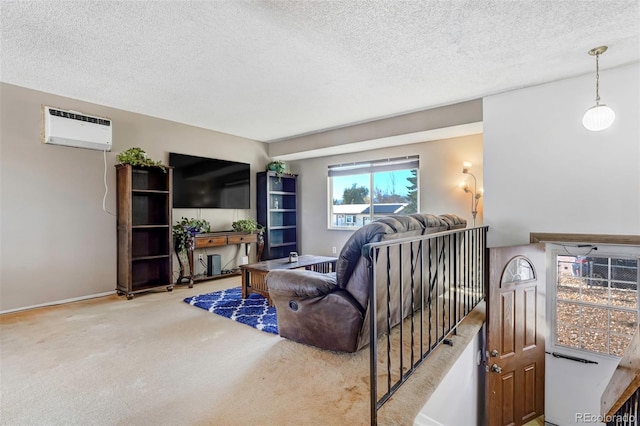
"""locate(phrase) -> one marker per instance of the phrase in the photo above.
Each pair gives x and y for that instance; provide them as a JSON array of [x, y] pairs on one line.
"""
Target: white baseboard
[[424, 420], [59, 302]]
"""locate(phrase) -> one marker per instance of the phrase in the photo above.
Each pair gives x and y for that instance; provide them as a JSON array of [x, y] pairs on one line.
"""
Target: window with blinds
[[363, 191]]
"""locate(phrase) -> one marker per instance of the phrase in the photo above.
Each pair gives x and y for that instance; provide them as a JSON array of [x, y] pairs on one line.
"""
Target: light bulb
[[598, 117]]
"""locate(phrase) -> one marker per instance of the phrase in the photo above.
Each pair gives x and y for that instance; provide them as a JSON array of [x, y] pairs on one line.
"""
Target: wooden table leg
[[181, 275], [189, 245], [245, 282], [260, 247]]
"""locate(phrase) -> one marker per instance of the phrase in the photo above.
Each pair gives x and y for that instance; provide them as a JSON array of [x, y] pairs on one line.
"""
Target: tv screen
[[208, 183]]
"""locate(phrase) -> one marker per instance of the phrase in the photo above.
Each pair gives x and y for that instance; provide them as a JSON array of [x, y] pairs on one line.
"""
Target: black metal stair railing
[[420, 289], [627, 415]]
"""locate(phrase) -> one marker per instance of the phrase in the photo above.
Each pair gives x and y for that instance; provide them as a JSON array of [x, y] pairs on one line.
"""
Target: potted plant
[[277, 166], [186, 228], [247, 225], [138, 157]]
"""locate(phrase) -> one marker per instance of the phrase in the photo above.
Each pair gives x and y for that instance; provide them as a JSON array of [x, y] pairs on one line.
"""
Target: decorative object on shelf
[[599, 116], [475, 195], [277, 166], [138, 157], [187, 227], [293, 257], [249, 226]]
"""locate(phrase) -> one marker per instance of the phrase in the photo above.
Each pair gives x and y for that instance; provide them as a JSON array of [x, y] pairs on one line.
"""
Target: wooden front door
[[515, 334]]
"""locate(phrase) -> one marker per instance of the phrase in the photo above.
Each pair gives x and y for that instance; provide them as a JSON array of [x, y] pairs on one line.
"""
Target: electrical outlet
[[200, 256], [334, 250]]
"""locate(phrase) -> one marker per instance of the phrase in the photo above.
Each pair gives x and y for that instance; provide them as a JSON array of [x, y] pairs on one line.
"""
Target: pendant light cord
[[597, 78]]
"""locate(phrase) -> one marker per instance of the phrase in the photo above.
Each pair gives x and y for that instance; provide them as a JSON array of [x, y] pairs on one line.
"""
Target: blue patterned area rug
[[254, 311]]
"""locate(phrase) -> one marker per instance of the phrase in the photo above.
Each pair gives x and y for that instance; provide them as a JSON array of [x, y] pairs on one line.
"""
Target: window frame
[[410, 162], [555, 249]]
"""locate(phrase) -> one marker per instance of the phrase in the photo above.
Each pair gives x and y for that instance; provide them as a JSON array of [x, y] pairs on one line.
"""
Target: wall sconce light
[[599, 116], [475, 194]]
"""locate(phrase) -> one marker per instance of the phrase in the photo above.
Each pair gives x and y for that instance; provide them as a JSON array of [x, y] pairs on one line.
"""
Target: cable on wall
[[233, 258], [580, 246], [106, 187]]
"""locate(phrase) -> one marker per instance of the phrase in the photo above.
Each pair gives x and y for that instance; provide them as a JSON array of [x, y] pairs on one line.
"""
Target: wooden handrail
[[625, 380], [545, 237]]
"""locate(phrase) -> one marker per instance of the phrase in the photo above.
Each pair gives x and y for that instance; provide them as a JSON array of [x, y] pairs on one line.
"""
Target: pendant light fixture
[[599, 116]]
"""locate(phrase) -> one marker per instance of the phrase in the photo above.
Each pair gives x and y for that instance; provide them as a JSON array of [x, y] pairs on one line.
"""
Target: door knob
[[494, 353], [496, 369]]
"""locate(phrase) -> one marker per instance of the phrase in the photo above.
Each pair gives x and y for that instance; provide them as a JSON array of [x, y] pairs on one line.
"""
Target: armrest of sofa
[[300, 283], [314, 310]]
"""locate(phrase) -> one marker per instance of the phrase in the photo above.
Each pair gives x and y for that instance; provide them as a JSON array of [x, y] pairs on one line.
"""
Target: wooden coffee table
[[254, 274]]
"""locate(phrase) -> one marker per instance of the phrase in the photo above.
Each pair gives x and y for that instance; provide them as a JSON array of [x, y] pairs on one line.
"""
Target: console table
[[215, 239]]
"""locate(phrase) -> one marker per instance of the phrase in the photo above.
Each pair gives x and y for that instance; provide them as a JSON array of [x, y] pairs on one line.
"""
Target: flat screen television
[[209, 183]]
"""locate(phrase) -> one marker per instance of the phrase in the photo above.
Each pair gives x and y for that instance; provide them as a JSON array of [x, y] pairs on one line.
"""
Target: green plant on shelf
[[187, 227], [138, 157], [249, 226], [277, 166]]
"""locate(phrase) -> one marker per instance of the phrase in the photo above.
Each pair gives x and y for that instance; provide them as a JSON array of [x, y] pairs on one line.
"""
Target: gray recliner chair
[[330, 311]]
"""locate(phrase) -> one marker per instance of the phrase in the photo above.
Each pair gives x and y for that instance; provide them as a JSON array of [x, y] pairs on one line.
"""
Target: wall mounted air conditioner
[[72, 128]]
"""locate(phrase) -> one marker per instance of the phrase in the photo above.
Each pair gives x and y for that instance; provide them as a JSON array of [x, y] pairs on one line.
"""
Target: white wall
[[56, 242], [459, 398], [544, 172], [573, 389], [440, 175]]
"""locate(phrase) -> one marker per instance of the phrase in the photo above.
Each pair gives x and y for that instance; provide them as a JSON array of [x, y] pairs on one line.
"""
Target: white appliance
[[73, 128]]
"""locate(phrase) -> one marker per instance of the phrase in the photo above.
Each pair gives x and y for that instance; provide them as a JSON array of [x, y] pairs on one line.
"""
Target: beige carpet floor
[[155, 360]]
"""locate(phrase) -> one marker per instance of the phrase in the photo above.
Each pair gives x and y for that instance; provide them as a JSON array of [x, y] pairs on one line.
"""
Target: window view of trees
[[360, 198], [355, 195], [412, 193]]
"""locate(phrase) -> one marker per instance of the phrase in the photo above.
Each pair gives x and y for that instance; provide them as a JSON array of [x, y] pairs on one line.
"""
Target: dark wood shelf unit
[[145, 244], [277, 205]]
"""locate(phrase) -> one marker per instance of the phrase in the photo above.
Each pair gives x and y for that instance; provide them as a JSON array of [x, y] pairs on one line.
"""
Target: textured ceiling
[[268, 70]]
